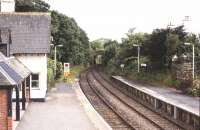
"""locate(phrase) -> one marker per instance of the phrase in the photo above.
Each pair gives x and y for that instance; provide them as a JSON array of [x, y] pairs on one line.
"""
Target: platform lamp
[[55, 57], [138, 58]]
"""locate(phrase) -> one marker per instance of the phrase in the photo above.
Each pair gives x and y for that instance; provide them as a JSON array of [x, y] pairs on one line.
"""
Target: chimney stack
[[7, 5]]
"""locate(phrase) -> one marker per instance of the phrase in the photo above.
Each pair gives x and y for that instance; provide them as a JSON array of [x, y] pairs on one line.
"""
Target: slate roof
[[30, 32], [20, 68], [12, 71], [4, 80]]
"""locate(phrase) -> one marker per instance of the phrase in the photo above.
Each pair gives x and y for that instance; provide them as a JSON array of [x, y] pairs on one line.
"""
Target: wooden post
[[9, 92], [17, 104], [23, 96]]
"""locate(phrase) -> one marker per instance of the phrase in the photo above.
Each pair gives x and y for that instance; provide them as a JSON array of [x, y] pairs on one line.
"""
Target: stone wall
[[184, 71]]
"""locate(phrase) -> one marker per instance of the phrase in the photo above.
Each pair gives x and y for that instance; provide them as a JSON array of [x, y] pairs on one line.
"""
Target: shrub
[[50, 74], [195, 90], [59, 70], [51, 81]]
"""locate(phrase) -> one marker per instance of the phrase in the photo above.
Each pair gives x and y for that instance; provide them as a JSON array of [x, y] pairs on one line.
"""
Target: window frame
[[38, 81]]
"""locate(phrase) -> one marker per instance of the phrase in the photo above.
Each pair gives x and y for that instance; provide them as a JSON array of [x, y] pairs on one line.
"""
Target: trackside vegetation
[[158, 51]]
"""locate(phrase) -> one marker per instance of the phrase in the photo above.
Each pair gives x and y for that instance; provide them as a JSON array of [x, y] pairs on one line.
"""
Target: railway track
[[148, 114], [135, 114], [116, 122]]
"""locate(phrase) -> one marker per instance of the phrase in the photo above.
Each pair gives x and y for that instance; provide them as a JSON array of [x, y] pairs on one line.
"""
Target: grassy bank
[[74, 74]]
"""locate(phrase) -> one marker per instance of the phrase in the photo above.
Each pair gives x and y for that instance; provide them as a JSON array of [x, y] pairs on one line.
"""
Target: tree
[[172, 42], [31, 6], [75, 42], [110, 52], [162, 44]]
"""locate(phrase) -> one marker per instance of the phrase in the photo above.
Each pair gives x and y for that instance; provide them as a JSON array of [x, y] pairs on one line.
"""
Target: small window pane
[[35, 84], [35, 77], [35, 81]]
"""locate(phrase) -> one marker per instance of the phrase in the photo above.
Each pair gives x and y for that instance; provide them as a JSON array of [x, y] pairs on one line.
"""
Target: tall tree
[[75, 42], [110, 52], [31, 6]]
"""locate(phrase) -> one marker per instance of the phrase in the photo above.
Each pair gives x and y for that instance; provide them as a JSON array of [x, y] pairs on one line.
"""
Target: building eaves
[[11, 72], [20, 68], [5, 79]]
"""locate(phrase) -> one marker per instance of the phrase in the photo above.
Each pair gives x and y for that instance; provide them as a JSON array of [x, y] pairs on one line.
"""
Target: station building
[[24, 46], [26, 36], [13, 78]]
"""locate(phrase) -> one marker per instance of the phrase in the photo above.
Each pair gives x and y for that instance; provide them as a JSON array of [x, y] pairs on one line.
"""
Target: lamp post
[[138, 48], [55, 57], [188, 44]]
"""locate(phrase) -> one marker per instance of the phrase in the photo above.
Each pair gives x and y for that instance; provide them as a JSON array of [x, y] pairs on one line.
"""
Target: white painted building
[[38, 66], [28, 39], [7, 5]]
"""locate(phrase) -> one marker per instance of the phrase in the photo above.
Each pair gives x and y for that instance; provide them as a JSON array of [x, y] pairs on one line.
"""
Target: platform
[[65, 109], [169, 95]]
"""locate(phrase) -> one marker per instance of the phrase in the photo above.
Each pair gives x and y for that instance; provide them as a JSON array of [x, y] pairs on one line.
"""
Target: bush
[[74, 74], [59, 70], [195, 90], [51, 81], [50, 74]]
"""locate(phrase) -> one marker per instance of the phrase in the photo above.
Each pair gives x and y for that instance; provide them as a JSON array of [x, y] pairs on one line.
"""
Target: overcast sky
[[113, 18]]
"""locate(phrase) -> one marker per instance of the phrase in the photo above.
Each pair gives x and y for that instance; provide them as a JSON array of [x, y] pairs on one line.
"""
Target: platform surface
[[61, 111], [169, 95]]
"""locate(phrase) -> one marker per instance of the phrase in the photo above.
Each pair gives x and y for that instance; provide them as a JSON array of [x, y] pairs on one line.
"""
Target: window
[[35, 80], [3, 49]]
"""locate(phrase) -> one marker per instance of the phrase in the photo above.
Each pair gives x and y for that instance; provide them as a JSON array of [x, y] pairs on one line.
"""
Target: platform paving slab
[[61, 111]]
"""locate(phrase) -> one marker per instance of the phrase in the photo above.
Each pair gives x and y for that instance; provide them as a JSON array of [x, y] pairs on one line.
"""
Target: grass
[[160, 78], [74, 74]]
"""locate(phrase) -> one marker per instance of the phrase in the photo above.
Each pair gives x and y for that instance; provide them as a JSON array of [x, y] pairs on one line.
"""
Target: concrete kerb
[[93, 115]]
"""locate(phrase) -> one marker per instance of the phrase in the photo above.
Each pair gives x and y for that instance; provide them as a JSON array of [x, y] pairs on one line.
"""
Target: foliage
[[51, 81], [51, 73], [97, 50], [156, 50], [59, 70], [31, 6], [110, 51], [195, 90], [66, 32], [127, 49], [162, 45], [98, 44], [161, 78], [74, 74]]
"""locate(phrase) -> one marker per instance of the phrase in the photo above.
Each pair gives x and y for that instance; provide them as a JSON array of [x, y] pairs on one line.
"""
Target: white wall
[[36, 64], [7, 6]]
